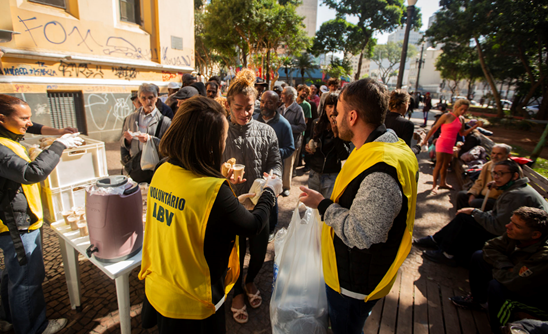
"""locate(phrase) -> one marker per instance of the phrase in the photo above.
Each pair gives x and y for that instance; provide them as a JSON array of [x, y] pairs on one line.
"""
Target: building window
[[130, 11], [67, 110], [54, 3]]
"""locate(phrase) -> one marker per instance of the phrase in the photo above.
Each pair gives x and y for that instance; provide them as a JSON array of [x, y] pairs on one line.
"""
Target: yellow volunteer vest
[[399, 156], [178, 283], [31, 191]]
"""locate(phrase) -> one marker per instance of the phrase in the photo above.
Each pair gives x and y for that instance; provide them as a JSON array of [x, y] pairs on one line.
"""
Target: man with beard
[[455, 243], [368, 222], [269, 115]]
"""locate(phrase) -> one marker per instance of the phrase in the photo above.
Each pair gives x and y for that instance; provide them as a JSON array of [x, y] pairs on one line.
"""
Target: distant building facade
[[309, 9]]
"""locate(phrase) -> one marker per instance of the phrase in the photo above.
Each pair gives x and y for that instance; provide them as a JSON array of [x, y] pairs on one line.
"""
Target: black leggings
[[257, 252], [215, 324]]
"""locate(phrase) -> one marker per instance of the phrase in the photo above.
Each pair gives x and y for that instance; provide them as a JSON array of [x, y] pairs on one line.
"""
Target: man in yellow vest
[[368, 222]]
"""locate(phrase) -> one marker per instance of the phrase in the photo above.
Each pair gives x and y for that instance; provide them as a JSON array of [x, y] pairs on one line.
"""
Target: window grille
[[67, 110]]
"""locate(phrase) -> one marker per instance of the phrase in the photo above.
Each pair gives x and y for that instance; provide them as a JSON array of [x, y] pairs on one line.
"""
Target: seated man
[[467, 233], [475, 196], [511, 270], [146, 123]]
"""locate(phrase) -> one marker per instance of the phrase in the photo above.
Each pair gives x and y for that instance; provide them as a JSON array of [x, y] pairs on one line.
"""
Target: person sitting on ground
[[510, 273], [474, 197], [326, 150], [456, 242]]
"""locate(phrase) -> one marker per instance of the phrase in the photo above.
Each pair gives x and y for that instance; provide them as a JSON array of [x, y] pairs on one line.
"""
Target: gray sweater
[[373, 210]]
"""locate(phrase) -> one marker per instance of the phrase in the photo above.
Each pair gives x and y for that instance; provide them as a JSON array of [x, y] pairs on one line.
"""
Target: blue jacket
[[283, 131]]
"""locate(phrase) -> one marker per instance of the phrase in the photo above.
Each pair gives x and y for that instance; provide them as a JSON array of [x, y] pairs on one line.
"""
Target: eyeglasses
[[499, 174]]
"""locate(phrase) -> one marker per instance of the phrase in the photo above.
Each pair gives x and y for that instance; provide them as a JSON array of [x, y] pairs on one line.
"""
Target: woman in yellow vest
[[190, 251], [20, 219]]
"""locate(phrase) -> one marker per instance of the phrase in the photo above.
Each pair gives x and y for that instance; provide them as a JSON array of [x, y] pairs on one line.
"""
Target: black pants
[[462, 202], [215, 324], [486, 289], [462, 237], [257, 252]]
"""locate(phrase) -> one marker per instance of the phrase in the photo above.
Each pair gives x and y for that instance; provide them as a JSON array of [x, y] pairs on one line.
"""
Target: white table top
[[73, 238]]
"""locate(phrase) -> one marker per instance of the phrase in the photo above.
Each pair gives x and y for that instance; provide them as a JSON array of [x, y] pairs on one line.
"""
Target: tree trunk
[[268, 67], [540, 145], [489, 78], [358, 72], [543, 107], [469, 90], [302, 77]]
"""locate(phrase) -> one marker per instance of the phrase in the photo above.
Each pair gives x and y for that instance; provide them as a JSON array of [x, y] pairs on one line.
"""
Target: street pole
[[410, 12], [419, 70]]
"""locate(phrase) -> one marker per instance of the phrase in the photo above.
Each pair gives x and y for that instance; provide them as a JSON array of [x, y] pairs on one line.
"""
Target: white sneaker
[[55, 325], [5, 326]]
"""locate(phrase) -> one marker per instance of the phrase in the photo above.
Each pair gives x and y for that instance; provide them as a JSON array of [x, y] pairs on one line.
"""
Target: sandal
[[253, 297], [240, 311]]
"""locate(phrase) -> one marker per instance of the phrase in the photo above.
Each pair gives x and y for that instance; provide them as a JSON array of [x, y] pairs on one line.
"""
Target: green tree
[[387, 57], [374, 16], [337, 35], [339, 68], [459, 62], [305, 63]]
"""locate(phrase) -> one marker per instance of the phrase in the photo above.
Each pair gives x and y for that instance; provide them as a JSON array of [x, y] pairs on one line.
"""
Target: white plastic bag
[[299, 302], [149, 157], [279, 242]]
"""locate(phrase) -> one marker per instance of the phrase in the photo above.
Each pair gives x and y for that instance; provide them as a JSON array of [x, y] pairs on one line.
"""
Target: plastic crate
[[77, 165], [55, 201]]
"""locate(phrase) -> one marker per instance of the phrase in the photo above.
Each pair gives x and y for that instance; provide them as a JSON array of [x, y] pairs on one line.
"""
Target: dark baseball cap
[[186, 93], [187, 77]]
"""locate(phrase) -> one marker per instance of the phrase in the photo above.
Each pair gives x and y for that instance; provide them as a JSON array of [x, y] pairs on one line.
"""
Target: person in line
[[333, 85], [326, 150], [474, 197], [278, 90], [269, 115], [369, 218], [426, 108], [294, 114], [145, 124], [411, 107], [188, 79], [190, 249], [254, 145], [509, 274], [455, 243], [21, 217], [395, 120], [302, 93], [172, 88], [451, 123], [183, 94], [212, 89], [162, 107], [314, 97], [135, 101]]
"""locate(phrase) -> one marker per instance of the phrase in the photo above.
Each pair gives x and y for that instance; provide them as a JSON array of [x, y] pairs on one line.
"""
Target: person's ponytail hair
[[244, 83]]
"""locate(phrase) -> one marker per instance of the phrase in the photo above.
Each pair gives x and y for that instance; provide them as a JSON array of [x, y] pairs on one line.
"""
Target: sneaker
[[467, 302], [55, 326], [438, 257], [5, 326], [285, 193], [426, 242]]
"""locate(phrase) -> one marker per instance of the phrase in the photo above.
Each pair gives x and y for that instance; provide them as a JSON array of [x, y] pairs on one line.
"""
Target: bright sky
[[428, 8]]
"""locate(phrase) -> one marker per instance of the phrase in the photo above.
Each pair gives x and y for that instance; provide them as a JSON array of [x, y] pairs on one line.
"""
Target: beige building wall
[[430, 78], [309, 9], [88, 52]]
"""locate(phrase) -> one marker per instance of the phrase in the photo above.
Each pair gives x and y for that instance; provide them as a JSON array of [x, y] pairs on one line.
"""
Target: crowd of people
[[357, 146]]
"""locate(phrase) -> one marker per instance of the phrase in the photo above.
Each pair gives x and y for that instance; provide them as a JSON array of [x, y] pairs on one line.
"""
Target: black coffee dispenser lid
[[112, 181]]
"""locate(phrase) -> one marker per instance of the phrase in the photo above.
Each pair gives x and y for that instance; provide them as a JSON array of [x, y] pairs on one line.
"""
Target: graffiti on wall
[[77, 70], [55, 33], [125, 72], [116, 108]]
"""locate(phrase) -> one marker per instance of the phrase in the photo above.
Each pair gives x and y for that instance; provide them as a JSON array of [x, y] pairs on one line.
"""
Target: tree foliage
[[239, 29], [502, 32], [337, 35], [305, 63], [373, 16], [459, 62], [387, 57]]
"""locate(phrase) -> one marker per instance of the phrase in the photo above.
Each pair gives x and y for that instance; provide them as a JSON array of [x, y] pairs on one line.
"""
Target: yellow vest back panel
[[178, 283]]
